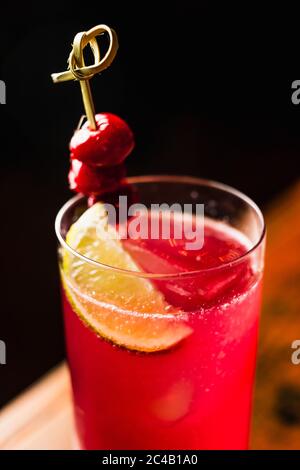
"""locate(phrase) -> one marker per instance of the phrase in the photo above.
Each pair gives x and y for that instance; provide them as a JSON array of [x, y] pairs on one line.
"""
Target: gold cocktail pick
[[77, 70]]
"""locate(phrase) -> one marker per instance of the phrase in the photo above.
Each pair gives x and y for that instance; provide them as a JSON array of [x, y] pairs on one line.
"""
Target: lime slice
[[125, 309]]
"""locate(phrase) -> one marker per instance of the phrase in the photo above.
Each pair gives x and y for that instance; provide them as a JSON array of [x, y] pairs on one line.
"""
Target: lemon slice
[[125, 309]]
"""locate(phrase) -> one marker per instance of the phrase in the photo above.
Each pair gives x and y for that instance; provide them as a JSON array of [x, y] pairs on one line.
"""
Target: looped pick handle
[[80, 71]]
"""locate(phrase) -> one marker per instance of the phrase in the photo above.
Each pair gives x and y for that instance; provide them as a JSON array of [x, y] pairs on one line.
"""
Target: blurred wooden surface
[[41, 418], [276, 422]]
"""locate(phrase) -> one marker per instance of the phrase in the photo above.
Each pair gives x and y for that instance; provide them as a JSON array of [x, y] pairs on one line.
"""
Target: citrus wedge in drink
[[126, 309]]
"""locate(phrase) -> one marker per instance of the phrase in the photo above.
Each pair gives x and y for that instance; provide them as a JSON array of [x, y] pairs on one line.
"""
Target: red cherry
[[93, 181], [108, 145]]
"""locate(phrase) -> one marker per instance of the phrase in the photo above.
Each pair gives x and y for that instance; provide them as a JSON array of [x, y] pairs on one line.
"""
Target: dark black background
[[207, 91]]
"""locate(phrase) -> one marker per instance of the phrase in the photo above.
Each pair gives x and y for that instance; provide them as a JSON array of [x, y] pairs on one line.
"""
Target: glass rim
[[166, 179]]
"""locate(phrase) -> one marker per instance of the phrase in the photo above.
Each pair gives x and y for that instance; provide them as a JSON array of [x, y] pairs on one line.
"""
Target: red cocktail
[[161, 340]]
